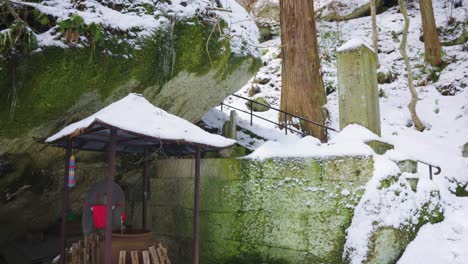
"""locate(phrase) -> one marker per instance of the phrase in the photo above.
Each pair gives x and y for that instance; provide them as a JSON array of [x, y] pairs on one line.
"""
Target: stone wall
[[276, 210]]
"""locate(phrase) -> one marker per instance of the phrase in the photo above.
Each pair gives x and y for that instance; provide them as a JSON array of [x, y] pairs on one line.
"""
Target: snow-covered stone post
[[357, 85]]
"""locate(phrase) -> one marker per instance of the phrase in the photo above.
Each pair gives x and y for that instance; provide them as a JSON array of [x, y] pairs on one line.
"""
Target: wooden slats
[[134, 257], [122, 257], [87, 252]]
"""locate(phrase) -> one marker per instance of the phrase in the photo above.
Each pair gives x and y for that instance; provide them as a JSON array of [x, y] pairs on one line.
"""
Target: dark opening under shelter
[[134, 125]]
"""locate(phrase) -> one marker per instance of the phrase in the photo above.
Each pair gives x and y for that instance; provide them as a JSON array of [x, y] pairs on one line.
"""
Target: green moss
[[48, 83]]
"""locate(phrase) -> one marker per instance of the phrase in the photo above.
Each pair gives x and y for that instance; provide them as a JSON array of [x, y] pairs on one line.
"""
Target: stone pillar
[[229, 127], [357, 85]]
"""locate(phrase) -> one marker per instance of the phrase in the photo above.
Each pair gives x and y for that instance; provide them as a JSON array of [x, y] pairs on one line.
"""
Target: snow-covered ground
[[446, 119]]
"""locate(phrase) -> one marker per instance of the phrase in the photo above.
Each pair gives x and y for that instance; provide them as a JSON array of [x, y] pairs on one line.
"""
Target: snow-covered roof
[[142, 124]]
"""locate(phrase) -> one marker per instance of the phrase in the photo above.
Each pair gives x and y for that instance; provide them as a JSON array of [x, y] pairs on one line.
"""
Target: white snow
[[139, 23], [354, 44], [312, 147], [445, 242], [134, 113]]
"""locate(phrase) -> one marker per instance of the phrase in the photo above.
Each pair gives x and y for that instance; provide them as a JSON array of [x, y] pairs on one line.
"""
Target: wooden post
[[63, 233], [144, 214], [109, 190], [196, 207]]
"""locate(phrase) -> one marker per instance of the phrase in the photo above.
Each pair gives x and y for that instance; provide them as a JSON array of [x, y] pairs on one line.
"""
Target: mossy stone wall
[[271, 211]]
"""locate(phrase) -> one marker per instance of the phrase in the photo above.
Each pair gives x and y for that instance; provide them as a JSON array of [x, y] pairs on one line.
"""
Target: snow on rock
[[445, 242], [355, 132], [394, 206], [141, 18], [349, 142], [134, 113], [241, 29], [354, 44]]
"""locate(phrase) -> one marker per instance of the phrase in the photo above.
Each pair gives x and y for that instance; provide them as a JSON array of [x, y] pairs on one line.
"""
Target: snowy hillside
[[443, 108]]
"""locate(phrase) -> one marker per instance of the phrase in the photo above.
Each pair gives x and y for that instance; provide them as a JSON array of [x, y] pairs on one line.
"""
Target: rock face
[[271, 211], [185, 67]]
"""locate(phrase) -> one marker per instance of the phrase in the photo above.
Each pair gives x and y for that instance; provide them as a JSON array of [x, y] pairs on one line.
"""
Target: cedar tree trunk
[[302, 91], [432, 48]]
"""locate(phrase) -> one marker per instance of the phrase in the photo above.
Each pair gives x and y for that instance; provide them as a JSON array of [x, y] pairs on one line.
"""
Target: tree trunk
[[414, 95], [375, 32], [302, 91], [432, 48]]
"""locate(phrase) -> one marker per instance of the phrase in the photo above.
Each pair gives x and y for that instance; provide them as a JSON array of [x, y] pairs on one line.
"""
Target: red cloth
[[124, 217], [99, 216]]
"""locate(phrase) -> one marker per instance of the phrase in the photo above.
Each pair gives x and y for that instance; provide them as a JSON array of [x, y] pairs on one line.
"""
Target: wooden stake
[[160, 256], [154, 255], [146, 258], [122, 257], [75, 253], [134, 256]]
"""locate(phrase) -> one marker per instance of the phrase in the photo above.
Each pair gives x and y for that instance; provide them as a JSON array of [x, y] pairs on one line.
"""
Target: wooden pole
[[110, 179], [63, 234], [196, 208], [145, 191]]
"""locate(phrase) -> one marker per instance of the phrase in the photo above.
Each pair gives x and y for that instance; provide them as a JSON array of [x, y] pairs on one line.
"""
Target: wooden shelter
[[134, 125]]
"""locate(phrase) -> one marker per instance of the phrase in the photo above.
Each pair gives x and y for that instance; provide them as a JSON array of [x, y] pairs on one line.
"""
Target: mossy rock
[[55, 87], [379, 147], [262, 107], [387, 245]]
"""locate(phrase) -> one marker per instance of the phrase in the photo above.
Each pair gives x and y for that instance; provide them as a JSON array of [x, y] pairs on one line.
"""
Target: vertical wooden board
[[134, 257], [75, 253], [146, 258], [92, 250], [122, 257], [160, 256], [154, 255], [164, 253], [80, 252]]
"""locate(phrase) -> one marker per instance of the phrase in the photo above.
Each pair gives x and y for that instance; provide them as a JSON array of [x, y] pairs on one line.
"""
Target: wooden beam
[[144, 214], [109, 193], [63, 233], [196, 207]]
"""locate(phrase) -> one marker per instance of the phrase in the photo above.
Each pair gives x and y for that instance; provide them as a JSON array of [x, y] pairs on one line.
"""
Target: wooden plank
[[160, 256], [92, 251], [134, 256], [164, 251], [80, 252], [146, 258], [122, 257], [75, 253], [98, 242], [154, 255]]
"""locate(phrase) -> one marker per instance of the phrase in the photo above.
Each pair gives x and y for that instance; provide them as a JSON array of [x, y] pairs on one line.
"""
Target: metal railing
[[438, 169], [286, 116], [286, 128]]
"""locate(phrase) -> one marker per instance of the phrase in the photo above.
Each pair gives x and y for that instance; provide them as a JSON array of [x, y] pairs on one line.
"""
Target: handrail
[[286, 114], [439, 169]]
